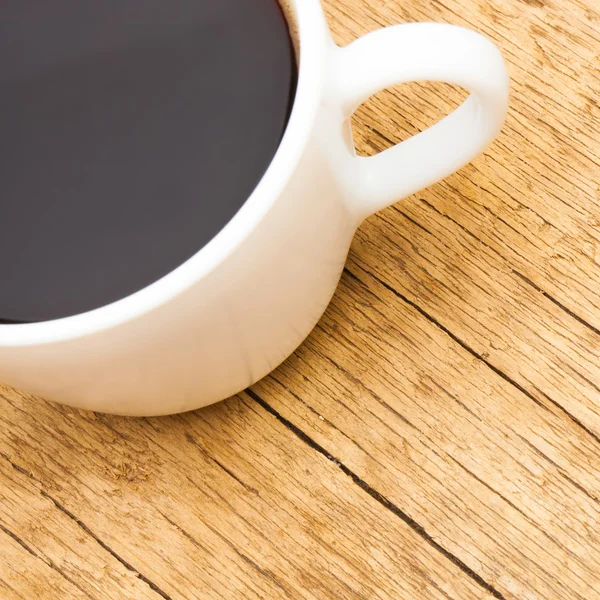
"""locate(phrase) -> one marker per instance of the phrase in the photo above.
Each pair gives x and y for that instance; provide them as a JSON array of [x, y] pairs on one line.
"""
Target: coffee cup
[[244, 302]]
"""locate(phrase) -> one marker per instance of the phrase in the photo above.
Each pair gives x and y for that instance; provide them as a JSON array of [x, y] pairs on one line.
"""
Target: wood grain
[[437, 436], [222, 503]]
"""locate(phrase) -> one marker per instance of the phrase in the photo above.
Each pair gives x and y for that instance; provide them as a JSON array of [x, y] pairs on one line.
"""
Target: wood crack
[[106, 547], [317, 414], [512, 504], [561, 471], [12, 589], [192, 440], [378, 497], [264, 572], [573, 418], [87, 530], [46, 561], [554, 301], [198, 545], [375, 396], [476, 354]]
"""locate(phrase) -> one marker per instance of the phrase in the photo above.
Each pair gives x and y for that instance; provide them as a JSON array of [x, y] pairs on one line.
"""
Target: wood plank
[[504, 253], [504, 484], [438, 436], [24, 576], [54, 538], [457, 369], [222, 503]]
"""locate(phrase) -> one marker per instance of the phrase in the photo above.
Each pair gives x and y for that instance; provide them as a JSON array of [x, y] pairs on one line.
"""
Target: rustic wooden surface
[[438, 435]]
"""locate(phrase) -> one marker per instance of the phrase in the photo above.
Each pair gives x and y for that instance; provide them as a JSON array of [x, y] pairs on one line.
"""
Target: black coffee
[[131, 132]]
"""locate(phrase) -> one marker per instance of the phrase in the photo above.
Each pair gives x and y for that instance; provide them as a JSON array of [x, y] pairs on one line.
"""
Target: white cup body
[[244, 302]]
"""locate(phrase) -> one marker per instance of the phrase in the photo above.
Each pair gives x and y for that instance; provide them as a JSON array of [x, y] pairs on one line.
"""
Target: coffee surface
[[131, 132]]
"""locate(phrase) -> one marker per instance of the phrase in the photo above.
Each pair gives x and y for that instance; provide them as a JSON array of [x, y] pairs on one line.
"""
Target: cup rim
[[312, 30]]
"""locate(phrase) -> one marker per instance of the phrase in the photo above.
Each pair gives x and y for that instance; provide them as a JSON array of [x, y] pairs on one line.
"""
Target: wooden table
[[438, 435]]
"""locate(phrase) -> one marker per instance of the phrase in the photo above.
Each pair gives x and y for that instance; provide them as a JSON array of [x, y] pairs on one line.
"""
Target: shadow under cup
[[130, 136]]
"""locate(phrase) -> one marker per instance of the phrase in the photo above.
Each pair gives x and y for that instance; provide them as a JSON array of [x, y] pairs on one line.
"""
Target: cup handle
[[421, 52]]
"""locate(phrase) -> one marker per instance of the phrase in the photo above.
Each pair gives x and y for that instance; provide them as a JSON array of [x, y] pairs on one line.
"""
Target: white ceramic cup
[[245, 301]]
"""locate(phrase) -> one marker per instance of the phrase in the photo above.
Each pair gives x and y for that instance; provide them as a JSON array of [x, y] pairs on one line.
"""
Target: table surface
[[437, 436]]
